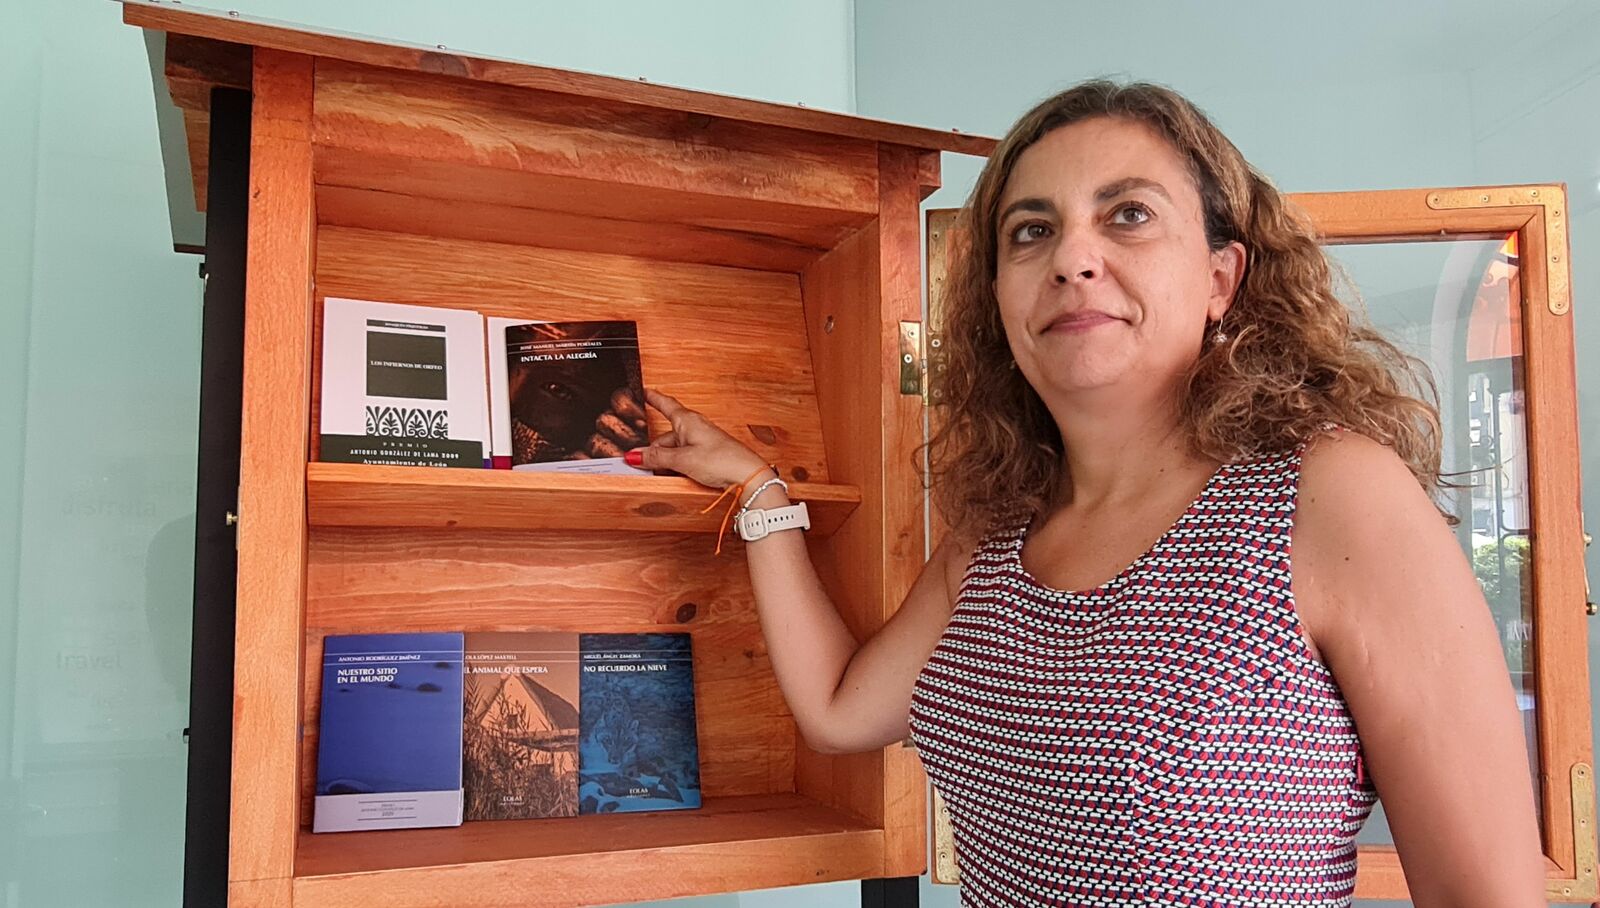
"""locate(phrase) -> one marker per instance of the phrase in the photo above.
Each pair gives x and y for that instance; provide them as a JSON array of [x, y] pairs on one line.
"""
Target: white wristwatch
[[756, 523]]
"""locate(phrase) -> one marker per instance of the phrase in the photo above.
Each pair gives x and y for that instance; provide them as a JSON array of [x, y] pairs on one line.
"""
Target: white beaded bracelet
[[762, 488]]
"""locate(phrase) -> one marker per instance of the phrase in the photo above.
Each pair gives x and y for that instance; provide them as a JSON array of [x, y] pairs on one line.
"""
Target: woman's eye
[[1131, 214], [1027, 233]]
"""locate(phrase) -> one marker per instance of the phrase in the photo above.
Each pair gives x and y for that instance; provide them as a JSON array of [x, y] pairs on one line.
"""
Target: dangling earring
[[1218, 336]]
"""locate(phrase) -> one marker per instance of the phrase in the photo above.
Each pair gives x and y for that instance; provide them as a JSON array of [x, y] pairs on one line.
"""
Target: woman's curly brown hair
[[1295, 358]]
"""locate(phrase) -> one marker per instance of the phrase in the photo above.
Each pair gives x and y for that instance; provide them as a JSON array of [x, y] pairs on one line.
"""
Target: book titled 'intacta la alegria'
[[389, 746], [574, 395], [402, 385]]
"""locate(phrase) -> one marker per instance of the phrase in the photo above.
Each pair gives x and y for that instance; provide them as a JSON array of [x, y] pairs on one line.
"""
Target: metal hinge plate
[[1584, 886], [922, 363], [1553, 200], [913, 363]]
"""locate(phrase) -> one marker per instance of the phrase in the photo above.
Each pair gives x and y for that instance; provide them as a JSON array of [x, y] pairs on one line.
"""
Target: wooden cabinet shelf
[[731, 843], [361, 495]]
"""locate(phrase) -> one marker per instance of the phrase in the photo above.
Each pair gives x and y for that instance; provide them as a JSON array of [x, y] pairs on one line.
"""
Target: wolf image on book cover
[[638, 747], [575, 392], [520, 741]]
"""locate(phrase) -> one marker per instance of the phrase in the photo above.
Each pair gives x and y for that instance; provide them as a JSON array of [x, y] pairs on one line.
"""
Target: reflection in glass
[[1457, 306]]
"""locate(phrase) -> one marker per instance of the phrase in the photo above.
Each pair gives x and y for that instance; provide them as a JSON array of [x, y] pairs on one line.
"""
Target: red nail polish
[[634, 458]]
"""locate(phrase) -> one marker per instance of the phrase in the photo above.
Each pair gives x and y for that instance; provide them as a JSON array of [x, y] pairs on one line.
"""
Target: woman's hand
[[846, 696], [695, 447]]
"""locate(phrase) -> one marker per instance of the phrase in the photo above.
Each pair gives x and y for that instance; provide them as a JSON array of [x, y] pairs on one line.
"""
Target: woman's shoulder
[[1341, 469], [1358, 502]]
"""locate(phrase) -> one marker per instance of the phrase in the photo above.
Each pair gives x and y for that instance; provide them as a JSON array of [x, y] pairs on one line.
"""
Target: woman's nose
[[1077, 259], [1062, 279]]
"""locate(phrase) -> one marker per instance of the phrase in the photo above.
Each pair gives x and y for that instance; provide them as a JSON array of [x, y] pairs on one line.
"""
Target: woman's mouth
[[1078, 322]]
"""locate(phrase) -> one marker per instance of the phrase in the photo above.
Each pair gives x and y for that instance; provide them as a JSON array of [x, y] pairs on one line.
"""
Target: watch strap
[[758, 523]]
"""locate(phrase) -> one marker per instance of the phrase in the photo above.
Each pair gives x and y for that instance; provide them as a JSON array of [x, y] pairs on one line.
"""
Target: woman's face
[[1103, 273]]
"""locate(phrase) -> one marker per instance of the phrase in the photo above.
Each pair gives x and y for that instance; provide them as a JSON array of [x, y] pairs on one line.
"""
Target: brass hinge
[[922, 363], [934, 393], [941, 231], [1589, 605], [1552, 199], [946, 870], [913, 361], [1584, 885]]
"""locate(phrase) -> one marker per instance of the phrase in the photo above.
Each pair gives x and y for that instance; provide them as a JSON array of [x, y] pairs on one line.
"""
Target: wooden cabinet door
[[942, 243]]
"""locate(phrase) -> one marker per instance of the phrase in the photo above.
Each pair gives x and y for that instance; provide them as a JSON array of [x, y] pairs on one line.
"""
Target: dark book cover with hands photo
[[576, 395]]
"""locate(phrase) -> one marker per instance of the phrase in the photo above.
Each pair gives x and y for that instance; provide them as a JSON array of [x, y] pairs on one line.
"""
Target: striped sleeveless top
[[1166, 738]]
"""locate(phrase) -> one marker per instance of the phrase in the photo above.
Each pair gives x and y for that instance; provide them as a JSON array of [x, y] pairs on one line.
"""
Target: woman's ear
[[1227, 273]]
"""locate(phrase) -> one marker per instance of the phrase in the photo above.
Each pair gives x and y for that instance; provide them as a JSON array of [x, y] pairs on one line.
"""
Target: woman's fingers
[[695, 447], [667, 404], [656, 457], [684, 421], [653, 455]]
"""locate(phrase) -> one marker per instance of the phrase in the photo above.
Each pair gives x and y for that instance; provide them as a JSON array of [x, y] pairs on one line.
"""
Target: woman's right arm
[[846, 696]]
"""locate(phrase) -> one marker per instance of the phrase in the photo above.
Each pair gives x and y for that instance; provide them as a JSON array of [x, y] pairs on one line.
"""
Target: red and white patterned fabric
[[1166, 738]]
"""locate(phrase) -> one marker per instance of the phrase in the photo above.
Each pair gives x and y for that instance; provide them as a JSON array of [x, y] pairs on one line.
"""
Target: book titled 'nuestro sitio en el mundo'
[[389, 746]]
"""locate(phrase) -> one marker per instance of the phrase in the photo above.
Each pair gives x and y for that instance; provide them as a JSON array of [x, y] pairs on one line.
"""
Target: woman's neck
[[1117, 450]]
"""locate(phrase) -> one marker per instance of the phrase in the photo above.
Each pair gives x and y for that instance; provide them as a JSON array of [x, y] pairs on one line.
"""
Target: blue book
[[637, 745], [389, 750]]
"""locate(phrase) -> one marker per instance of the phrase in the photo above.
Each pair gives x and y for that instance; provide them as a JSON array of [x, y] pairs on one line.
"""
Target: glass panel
[[1457, 307], [99, 375]]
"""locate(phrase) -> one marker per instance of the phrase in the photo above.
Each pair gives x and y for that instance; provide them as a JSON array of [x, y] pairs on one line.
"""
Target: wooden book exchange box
[[771, 257]]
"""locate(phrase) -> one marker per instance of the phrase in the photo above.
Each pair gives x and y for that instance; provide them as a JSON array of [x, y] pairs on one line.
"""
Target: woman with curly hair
[[1198, 607]]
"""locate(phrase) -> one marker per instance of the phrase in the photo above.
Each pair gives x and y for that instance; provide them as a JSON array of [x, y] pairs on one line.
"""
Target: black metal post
[[210, 732], [894, 892]]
